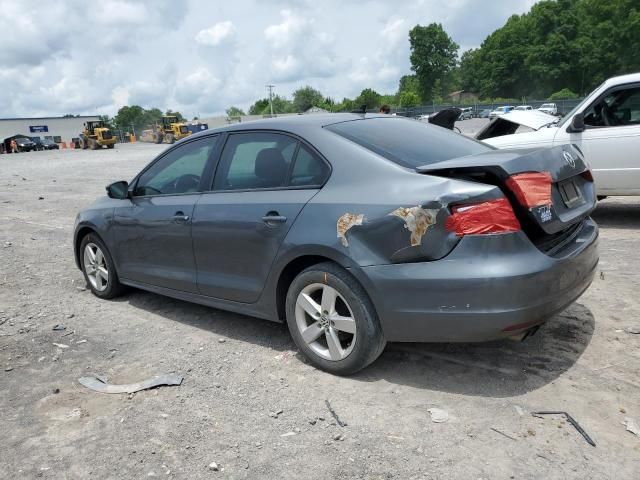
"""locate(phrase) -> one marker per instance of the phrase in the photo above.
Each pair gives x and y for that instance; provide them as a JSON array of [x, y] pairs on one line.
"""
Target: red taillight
[[532, 188], [494, 216]]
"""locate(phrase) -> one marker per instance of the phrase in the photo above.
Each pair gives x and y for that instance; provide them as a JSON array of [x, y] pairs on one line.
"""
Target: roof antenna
[[362, 110]]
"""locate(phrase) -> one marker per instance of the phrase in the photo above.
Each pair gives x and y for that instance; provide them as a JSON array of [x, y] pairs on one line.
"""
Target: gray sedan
[[354, 229]]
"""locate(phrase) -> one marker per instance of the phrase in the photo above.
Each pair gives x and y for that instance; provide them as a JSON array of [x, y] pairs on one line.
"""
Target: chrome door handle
[[274, 219], [181, 217]]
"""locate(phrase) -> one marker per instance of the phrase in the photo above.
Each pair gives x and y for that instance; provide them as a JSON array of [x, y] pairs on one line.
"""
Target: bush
[[564, 94]]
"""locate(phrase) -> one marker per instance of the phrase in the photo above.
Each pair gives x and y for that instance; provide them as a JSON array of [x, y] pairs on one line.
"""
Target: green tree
[[368, 97], [129, 117], [433, 56], [235, 112], [258, 107], [409, 99], [306, 97]]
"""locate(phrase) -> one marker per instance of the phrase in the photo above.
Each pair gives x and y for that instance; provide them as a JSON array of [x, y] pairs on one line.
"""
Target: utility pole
[[270, 87]]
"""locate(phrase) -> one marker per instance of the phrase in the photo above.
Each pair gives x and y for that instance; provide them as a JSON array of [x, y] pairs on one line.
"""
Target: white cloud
[[65, 57], [219, 33]]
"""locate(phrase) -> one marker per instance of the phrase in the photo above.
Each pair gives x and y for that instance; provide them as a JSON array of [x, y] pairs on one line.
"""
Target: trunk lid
[[572, 193]]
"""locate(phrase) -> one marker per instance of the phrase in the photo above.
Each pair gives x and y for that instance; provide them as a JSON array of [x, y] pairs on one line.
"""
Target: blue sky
[[200, 57]]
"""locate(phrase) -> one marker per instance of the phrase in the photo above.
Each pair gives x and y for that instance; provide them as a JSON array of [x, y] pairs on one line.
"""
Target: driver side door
[[153, 233]]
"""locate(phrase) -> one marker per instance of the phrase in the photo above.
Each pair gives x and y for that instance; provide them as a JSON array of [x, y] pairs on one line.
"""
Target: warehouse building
[[59, 129]]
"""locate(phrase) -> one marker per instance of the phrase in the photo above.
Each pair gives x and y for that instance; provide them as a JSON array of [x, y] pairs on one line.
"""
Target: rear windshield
[[409, 143]]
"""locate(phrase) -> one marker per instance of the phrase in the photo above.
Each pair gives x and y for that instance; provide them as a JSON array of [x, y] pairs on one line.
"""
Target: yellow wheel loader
[[170, 130], [96, 135]]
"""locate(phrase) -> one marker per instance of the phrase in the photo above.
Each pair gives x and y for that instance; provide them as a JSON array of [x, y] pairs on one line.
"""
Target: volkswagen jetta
[[354, 229]]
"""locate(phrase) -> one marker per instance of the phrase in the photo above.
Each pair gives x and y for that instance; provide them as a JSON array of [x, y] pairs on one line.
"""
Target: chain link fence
[[564, 107]]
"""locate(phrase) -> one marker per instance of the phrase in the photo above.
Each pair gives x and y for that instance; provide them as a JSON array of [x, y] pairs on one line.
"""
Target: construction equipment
[[96, 135], [169, 130]]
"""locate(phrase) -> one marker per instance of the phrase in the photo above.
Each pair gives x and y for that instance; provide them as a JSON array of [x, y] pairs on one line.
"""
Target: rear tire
[[341, 333], [98, 268], [110, 146]]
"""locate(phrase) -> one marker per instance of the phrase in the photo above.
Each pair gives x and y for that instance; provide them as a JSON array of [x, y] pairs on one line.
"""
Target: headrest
[[271, 167]]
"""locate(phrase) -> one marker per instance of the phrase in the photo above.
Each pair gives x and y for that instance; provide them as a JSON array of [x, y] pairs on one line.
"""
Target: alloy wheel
[[325, 322], [95, 266]]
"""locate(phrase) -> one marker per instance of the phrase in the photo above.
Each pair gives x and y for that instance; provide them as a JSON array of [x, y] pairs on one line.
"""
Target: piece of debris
[[81, 289], [80, 341], [8, 369], [345, 222], [276, 413], [71, 315], [601, 275], [213, 466], [632, 426], [69, 333], [571, 420], [40, 198], [58, 328], [61, 345], [338, 437], [438, 415], [635, 330], [288, 434], [221, 340], [56, 390], [100, 384], [503, 434], [334, 414], [7, 244]]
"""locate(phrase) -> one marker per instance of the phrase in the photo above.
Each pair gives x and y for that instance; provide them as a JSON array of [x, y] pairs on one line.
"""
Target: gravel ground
[[254, 407]]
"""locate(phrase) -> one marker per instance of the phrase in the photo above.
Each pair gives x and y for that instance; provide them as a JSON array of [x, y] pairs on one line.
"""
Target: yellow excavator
[[169, 130], [96, 135]]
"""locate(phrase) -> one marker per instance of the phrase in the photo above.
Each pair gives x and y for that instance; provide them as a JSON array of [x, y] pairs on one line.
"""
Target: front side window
[[618, 108], [255, 160], [177, 172]]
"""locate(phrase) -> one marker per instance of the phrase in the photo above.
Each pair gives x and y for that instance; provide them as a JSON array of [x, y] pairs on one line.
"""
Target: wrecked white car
[[605, 126]]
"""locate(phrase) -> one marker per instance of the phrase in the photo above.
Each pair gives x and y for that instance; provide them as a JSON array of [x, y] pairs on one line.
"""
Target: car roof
[[292, 123]]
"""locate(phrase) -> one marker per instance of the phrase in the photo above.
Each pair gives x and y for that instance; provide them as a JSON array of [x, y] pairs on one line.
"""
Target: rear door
[[262, 182], [153, 233]]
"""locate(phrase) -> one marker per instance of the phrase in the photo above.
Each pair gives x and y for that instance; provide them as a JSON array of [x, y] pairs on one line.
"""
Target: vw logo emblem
[[569, 158]]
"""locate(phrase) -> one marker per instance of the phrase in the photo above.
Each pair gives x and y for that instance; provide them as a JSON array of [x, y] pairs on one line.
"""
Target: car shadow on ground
[[227, 324], [493, 369], [617, 215]]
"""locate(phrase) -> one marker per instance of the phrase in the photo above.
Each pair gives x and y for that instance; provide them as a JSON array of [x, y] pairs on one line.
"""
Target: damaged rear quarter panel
[[395, 215]]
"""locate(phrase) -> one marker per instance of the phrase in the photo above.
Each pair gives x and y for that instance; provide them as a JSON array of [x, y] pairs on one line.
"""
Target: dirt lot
[[239, 372]]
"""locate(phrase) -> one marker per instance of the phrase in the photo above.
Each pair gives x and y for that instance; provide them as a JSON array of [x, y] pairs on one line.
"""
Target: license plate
[[570, 193]]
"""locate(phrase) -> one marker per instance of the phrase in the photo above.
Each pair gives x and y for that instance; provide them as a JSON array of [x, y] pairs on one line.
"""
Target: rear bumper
[[489, 287]]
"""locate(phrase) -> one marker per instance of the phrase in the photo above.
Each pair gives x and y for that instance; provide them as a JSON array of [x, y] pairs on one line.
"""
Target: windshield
[[408, 143]]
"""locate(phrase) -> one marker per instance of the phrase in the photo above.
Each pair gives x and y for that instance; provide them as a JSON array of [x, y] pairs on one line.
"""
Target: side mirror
[[577, 124], [118, 190]]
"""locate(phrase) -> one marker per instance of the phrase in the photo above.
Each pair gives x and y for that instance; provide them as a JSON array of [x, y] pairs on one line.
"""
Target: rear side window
[[308, 169], [409, 143]]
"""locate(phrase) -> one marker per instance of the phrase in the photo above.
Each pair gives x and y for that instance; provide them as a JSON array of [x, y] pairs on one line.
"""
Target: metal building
[[65, 128]]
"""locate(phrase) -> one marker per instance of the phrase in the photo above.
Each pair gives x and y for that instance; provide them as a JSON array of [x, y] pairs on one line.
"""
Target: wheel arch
[[294, 265], [82, 232]]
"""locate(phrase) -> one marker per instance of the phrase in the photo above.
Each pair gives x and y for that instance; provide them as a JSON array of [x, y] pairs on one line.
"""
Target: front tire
[[332, 320], [98, 268]]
